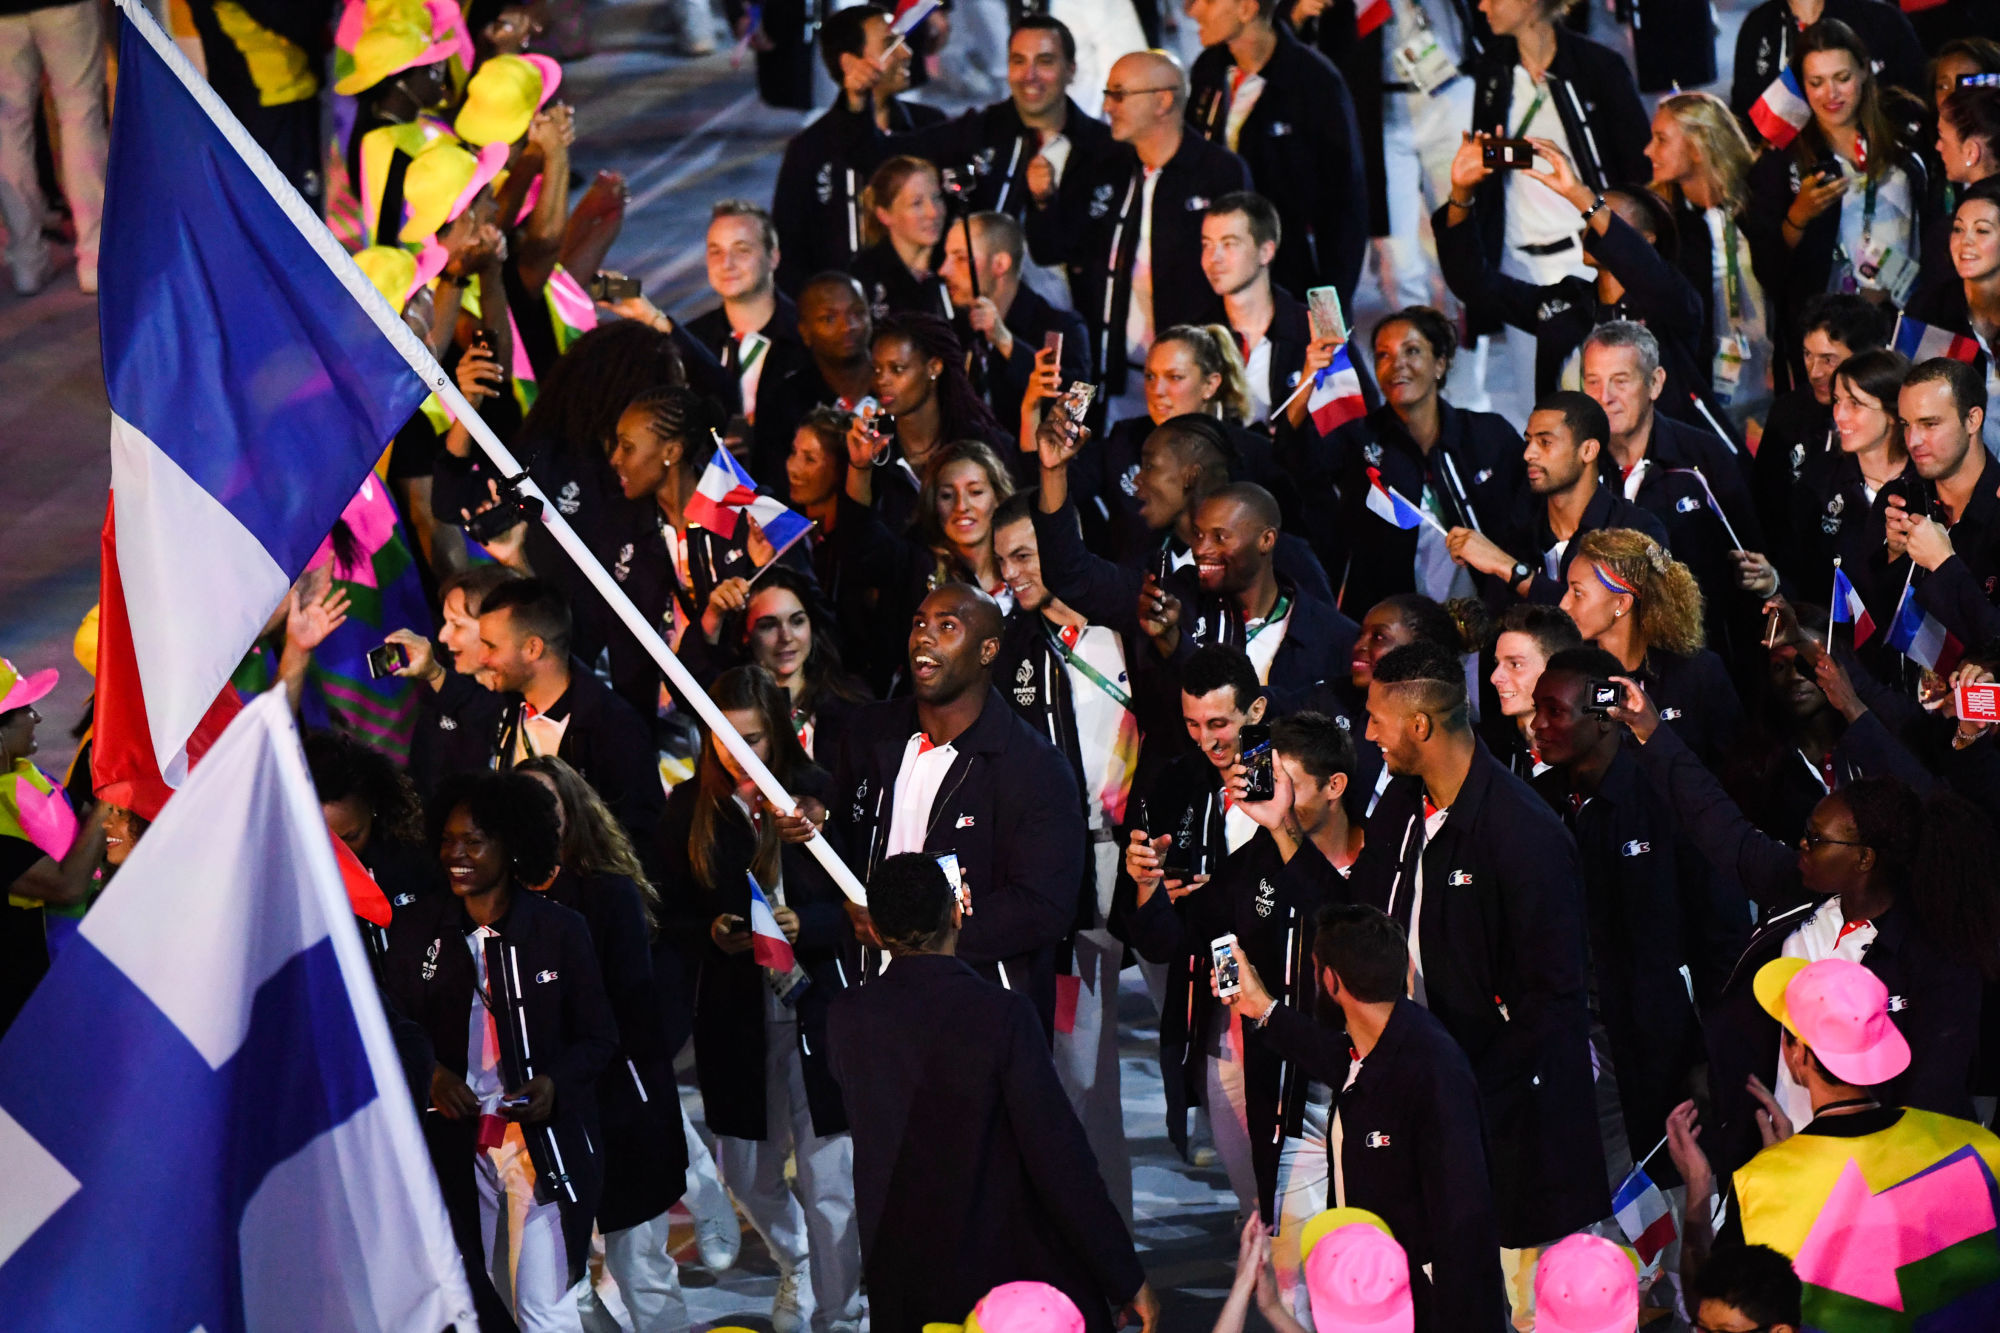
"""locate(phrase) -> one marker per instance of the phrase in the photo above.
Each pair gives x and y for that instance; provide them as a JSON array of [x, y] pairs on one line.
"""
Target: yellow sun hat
[[442, 182], [401, 40], [503, 97], [1323, 1224]]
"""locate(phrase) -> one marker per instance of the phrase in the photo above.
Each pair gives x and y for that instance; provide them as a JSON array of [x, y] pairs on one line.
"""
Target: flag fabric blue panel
[[203, 1120]]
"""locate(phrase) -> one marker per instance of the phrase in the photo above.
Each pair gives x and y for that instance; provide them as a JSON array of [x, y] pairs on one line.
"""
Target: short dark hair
[[1320, 744], [1854, 322], [999, 233], [909, 900], [1974, 113], [1549, 626], [1756, 1280], [344, 767], [1263, 506], [1366, 950], [1433, 670], [1425, 618], [1015, 508], [1430, 325], [1655, 217], [538, 607], [833, 277], [845, 33], [1967, 391], [1588, 660], [1219, 666], [514, 810], [1583, 415], [1261, 213], [478, 583], [1878, 372], [1048, 23]]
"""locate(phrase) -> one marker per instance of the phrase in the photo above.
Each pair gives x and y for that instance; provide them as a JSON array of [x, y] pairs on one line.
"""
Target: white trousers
[[704, 1195], [1420, 133], [1229, 1121], [642, 1266], [524, 1241], [1087, 1056], [1304, 1186], [67, 43], [817, 1225]]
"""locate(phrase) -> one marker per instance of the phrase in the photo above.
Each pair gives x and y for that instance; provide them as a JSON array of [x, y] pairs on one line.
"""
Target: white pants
[[1304, 1185], [1228, 1120], [1420, 133], [649, 1282], [704, 1195], [1087, 1056], [524, 1240], [66, 42], [816, 1225]]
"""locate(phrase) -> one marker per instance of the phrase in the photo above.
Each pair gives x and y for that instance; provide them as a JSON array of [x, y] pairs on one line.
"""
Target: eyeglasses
[[1810, 840], [1120, 94]]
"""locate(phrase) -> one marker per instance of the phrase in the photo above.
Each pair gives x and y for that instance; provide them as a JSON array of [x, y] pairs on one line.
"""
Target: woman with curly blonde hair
[[1642, 606]]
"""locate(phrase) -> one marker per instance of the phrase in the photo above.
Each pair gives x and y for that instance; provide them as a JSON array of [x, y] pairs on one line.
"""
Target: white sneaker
[[718, 1240], [29, 280], [86, 279], [785, 1315]]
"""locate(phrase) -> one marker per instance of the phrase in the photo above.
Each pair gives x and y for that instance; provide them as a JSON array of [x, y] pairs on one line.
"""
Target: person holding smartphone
[[1025, 332]]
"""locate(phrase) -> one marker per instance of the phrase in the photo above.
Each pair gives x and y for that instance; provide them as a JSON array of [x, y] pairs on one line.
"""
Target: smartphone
[[1323, 309], [1977, 703], [611, 287], [1508, 154], [386, 659], [1600, 696], [1222, 955], [1828, 166], [1052, 344], [1254, 742], [482, 341], [1076, 400], [948, 862], [514, 1103], [1774, 624]]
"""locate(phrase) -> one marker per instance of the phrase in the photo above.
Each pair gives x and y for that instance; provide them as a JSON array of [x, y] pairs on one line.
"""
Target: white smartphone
[[1222, 955]]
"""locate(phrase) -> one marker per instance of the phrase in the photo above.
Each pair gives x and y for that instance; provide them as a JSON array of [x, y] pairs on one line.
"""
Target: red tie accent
[[1846, 927], [924, 743], [1430, 810], [1069, 634], [1236, 77]]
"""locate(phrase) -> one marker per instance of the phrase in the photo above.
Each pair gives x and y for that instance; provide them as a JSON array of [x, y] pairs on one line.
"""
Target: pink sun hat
[[1358, 1279], [1024, 1307], [1586, 1284], [18, 691]]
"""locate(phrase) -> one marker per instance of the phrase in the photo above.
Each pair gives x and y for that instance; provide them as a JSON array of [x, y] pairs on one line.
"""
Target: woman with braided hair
[[1642, 606]]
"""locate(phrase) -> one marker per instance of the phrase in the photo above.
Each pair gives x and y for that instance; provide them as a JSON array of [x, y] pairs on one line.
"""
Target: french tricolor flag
[[725, 492], [1390, 507], [1781, 112], [909, 13], [1336, 394], [1849, 609], [1921, 342], [768, 944], [1643, 1216], [1370, 15], [1922, 637], [250, 395]]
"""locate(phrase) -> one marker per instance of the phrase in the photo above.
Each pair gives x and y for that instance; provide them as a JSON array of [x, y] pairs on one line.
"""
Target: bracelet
[[1595, 206], [1265, 1017], [1457, 202]]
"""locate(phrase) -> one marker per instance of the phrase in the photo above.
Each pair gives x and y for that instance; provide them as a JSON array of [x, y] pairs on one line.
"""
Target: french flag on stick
[[1643, 1216], [1849, 609], [1392, 508], [1781, 111], [1921, 342], [1336, 394], [726, 492], [768, 944], [1370, 15], [250, 394], [1922, 637], [909, 13]]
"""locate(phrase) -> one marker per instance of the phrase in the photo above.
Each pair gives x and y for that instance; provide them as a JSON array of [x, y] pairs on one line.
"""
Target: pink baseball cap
[[1024, 1307], [1586, 1284], [18, 691], [1841, 1010], [1358, 1278]]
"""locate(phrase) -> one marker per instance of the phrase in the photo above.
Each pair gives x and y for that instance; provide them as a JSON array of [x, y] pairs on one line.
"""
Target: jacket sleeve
[[1877, 753], [1154, 930], [1474, 280], [1658, 292], [1059, 1163], [625, 771], [1041, 843], [1541, 900], [1458, 1199], [1953, 595], [1320, 1051], [590, 1033], [1341, 229], [1943, 1032], [1102, 591], [1767, 869], [791, 214]]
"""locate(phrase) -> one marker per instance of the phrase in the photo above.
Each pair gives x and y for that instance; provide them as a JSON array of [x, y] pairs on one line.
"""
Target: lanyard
[[1096, 677], [1534, 109], [1278, 613], [1732, 274]]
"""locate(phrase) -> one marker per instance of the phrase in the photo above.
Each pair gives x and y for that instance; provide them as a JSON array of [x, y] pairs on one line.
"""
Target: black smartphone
[[1261, 783], [1601, 696], [1507, 154], [611, 286], [386, 659], [1827, 166]]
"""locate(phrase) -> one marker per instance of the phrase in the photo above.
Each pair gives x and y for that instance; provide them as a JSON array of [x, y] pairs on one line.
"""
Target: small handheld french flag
[[726, 491], [1922, 637], [768, 944], [909, 13], [1849, 609], [1370, 15], [1643, 1215], [1921, 342], [1781, 112], [1336, 394], [1390, 507]]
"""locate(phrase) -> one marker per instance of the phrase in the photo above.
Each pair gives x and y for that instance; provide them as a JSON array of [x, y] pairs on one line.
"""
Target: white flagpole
[[389, 323], [1737, 542]]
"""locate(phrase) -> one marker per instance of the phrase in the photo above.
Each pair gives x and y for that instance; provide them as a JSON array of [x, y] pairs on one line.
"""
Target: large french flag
[[726, 491], [1781, 110], [1922, 637], [1921, 342], [250, 394], [204, 1122], [1336, 394]]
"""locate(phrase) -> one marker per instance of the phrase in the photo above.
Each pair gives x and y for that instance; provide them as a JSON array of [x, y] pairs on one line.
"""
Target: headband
[[1609, 578]]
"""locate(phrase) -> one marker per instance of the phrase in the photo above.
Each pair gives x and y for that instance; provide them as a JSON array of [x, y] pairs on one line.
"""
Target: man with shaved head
[[953, 772], [1294, 640], [1131, 236]]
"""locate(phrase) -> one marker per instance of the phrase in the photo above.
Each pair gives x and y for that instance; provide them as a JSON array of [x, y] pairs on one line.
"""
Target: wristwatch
[[1519, 572], [1595, 204]]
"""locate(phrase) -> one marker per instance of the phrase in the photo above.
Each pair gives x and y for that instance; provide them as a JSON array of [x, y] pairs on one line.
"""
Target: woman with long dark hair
[[1968, 300], [645, 1154], [922, 389], [515, 1136], [785, 633], [760, 1009], [1843, 208], [1842, 496], [964, 486]]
